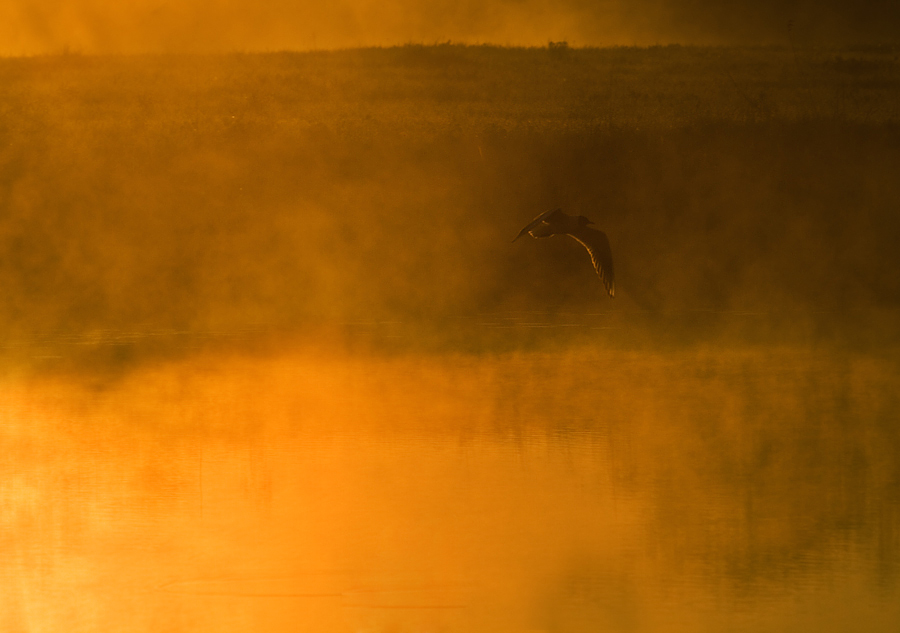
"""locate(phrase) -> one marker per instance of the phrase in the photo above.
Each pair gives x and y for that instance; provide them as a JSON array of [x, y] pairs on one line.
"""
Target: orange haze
[[138, 26]]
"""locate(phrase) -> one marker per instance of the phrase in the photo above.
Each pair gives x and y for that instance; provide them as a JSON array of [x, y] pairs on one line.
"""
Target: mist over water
[[578, 491], [224, 193], [270, 361]]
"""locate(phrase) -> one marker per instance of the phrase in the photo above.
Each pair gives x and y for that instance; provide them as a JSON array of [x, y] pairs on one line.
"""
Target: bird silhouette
[[555, 222]]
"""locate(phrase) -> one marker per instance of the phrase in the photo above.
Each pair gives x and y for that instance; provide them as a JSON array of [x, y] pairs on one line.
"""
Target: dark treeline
[[227, 192]]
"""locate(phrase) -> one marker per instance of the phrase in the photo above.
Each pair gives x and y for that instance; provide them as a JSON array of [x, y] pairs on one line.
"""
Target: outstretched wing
[[597, 244], [535, 222]]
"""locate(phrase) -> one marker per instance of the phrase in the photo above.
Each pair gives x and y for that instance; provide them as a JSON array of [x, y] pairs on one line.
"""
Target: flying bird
[[555, 222]]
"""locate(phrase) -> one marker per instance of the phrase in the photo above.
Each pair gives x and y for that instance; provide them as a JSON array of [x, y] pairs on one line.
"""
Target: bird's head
[[583, 221]]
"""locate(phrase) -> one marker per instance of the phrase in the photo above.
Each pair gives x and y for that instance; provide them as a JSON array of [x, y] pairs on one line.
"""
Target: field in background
[[285, 191]]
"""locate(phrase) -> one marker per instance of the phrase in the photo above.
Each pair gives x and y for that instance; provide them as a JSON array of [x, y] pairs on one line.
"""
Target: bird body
[[555, 222]]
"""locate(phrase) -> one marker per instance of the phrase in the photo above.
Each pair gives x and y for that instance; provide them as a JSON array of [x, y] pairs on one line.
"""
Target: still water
[[582, 489]]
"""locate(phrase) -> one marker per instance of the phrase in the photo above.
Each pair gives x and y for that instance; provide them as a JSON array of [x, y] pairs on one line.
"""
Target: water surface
[[577, 489]]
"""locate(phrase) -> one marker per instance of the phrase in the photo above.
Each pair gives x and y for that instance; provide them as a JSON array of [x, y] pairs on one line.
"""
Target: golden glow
[[101, 26], [529, 491], [140, 26], [269, 361]]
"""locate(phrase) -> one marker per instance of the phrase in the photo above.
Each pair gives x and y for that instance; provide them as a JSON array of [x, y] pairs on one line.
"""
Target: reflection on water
[[580, 490]]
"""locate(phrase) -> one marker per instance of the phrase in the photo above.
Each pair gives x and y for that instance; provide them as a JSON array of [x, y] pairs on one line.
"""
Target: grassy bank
[[275, 191]]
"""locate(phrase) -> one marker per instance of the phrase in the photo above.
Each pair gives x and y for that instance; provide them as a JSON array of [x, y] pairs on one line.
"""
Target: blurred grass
[[295, 191]]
